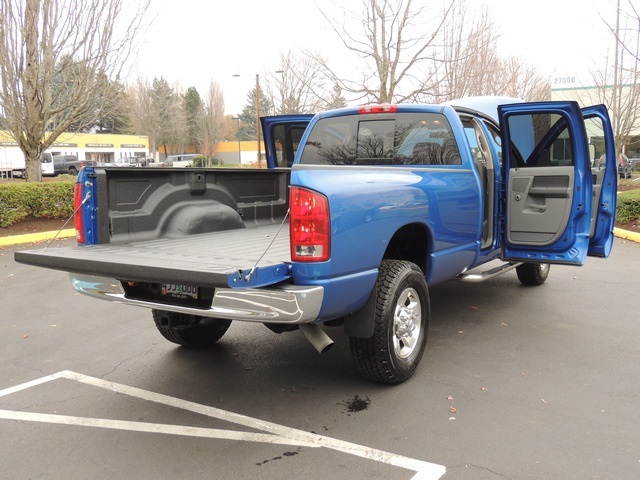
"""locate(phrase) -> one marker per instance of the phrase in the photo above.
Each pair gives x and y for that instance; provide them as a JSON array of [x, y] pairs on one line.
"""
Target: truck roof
[[487, 105]]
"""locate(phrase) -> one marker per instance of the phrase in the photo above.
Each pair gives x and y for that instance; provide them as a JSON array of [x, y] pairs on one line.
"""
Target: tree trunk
[[33, 167]]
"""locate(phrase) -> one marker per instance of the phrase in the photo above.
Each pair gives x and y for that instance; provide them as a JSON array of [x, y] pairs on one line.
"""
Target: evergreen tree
[[194, 110], [248, 116], [336, 100]]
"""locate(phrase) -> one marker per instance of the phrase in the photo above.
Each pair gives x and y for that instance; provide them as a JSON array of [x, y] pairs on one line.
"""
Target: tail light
[[310, 226], [77, 208]]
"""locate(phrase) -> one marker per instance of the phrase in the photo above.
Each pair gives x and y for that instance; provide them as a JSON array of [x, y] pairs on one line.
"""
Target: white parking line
[[275, 434]]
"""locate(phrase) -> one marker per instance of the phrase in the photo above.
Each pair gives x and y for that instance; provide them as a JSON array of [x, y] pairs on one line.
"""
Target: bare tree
[[300, 86], [212, 120], [157, 111], [143, 116], [34, 37], [397, 43], [515, 78], [470, 65], [467, 57]]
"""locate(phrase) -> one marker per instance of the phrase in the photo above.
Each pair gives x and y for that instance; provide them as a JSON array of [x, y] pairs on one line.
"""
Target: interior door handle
[[542, 208]]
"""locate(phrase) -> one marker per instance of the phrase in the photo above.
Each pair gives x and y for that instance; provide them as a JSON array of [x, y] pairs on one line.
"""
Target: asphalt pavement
[[517, 383]]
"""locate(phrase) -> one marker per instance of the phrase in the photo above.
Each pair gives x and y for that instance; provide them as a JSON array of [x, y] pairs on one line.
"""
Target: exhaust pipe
[[316, 336]]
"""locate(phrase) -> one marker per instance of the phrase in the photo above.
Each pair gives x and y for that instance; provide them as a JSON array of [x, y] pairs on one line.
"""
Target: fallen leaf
[[453, 410]]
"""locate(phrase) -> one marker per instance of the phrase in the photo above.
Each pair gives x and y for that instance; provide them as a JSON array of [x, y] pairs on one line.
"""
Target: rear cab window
[[382, 139]]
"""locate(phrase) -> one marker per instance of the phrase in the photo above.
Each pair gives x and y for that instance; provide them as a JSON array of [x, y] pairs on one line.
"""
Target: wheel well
[[411, 243]]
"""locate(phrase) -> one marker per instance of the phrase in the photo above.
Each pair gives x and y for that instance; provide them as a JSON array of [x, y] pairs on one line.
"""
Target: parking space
[[516, 383]]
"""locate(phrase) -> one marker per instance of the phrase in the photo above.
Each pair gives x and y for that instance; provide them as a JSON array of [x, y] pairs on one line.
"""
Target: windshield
[[397, 139]]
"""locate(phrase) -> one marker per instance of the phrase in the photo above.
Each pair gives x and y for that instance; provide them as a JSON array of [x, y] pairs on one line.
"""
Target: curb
[[71, 232], [627, 235], [36, 237]]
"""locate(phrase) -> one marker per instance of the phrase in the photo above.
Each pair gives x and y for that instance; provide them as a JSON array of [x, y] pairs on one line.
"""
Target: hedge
[[628, 208], [37, 200]]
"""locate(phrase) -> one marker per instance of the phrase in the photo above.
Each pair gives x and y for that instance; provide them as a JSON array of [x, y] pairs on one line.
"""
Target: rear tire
[[401, 322], [533, 273], [190, 330]]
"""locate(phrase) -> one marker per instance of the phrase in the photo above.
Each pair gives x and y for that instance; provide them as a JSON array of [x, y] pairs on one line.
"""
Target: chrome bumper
[[288, 304]]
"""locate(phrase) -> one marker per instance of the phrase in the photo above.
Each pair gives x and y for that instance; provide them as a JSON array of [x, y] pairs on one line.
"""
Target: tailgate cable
[[84, 200], [248, 275]]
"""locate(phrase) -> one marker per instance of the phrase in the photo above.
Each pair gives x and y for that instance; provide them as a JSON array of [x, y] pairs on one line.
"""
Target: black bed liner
[[207, 259]]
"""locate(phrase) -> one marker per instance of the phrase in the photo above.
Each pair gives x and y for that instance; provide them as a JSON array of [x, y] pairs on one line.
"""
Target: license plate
[[179, 291]]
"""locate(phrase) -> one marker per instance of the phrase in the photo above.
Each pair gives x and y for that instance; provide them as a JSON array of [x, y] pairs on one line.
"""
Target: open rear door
[[282, 134], [548, 183], [604, 175]]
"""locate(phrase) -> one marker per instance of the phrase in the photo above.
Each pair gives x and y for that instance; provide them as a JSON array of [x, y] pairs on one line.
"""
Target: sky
[[191, 42]]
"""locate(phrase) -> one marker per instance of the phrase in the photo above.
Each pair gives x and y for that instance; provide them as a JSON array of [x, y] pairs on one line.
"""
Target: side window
[[281, 134], [480, 152], [497, 140], [540, 140], [597, 145]]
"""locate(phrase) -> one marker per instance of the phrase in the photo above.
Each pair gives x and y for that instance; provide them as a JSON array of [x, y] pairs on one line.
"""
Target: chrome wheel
[[407, 323]]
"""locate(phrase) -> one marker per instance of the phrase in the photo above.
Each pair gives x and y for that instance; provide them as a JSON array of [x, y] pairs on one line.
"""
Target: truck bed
[[217, 259]]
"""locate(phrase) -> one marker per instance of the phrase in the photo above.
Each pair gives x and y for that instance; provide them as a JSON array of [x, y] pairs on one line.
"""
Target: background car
[[624, 166]]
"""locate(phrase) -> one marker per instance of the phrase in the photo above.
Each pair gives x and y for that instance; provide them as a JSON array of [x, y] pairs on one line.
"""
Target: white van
[[46, 163]]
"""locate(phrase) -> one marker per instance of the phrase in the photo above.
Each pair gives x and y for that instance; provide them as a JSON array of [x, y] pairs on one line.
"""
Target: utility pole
[[258, 117], [616, 81]]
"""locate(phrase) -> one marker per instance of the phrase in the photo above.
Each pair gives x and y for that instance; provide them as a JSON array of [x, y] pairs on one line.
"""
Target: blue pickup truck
[[361, 210]]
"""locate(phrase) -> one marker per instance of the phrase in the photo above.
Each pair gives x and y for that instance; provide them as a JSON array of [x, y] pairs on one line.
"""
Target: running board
[[487, 274]]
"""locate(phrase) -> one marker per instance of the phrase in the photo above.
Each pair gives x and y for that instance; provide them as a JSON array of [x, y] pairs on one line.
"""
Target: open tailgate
[[251, 257]]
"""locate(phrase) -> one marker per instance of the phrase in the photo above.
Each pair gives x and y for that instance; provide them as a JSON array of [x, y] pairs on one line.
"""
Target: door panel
[[540, 200]]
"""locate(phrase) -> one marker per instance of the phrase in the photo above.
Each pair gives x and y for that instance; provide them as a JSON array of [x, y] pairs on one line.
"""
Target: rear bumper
[[287, 304]]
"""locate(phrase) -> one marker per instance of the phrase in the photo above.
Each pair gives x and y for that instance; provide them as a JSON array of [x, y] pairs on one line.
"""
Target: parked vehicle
[[69, 164], [382, 202], [624, 167], [47, 164], [12, 163], [124, 162], [183, 160]]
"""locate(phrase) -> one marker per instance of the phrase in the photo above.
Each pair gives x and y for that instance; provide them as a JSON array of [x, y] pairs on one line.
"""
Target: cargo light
[[386, 108], [310, 226], [77, 208]]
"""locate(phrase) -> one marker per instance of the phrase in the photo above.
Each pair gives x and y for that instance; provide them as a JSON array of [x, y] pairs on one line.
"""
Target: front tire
[[190, 330], [533, 273], [401, 322]]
